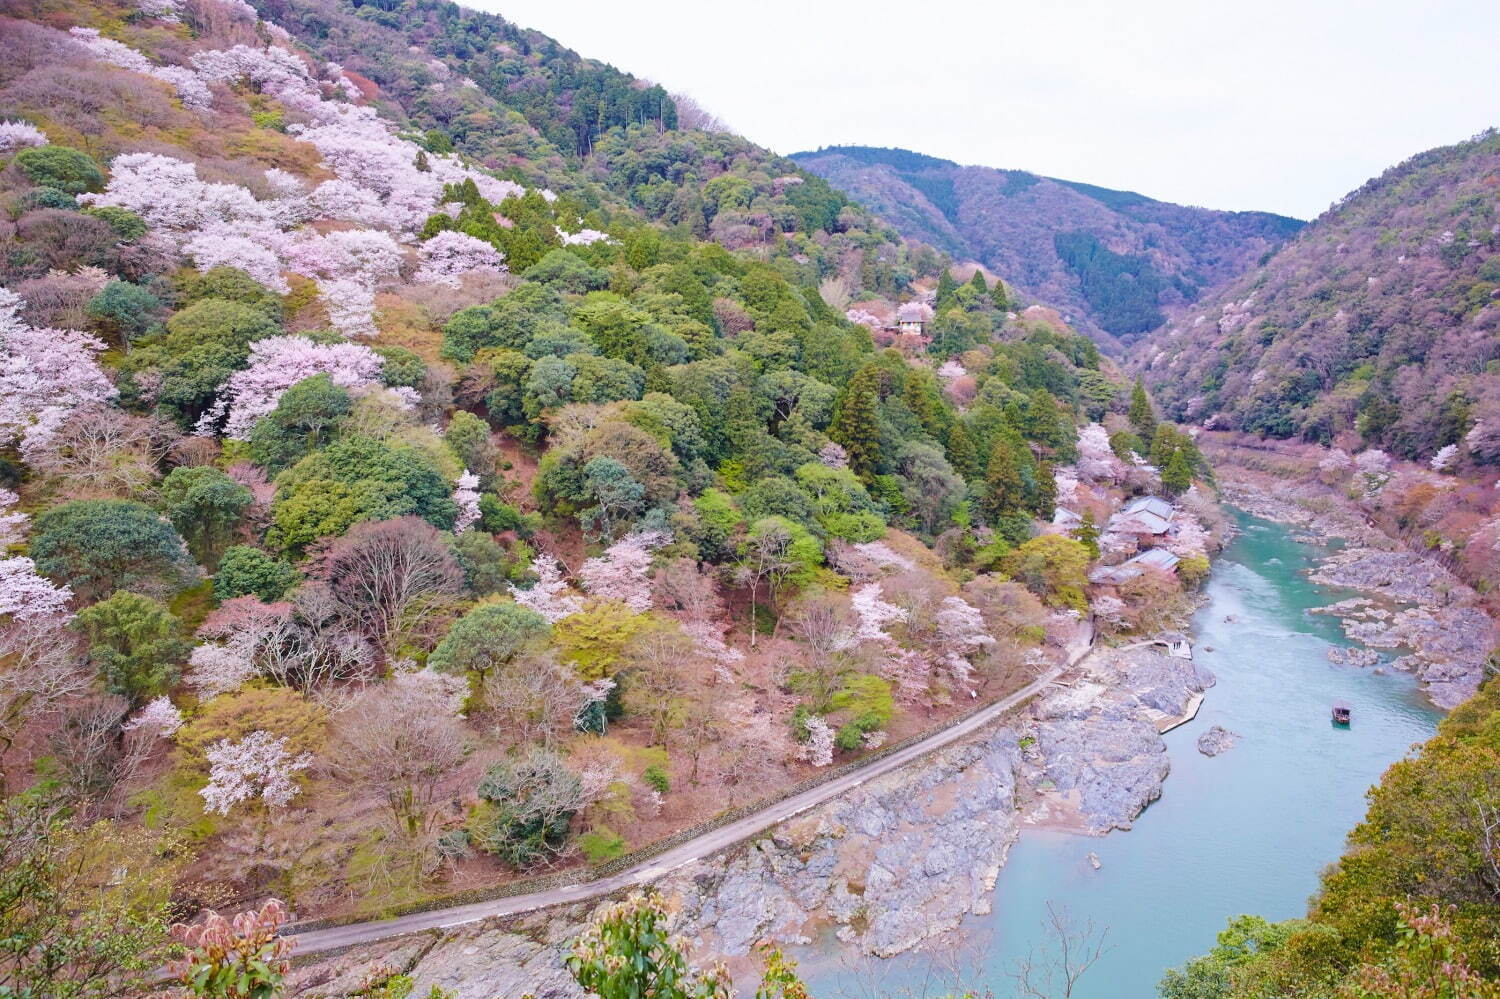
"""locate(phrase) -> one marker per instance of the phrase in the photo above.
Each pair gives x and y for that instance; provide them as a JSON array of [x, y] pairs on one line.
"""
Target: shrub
[[244, 570], [61, 167]]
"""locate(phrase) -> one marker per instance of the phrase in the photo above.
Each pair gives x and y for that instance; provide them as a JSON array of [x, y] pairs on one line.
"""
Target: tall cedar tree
[[1005, 487], [977, 282], [1177, 476], [855, 425], [999, 297], [1141, 415], [961, 454], [946, 288]]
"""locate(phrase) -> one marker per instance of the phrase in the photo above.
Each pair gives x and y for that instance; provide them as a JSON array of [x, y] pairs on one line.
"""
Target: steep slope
[[1118, 260], [1378, 326]]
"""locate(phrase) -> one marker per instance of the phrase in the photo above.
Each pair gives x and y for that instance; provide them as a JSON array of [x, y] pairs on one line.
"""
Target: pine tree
[[961, 454], [855, 424], [1177, 476], [1142, 417], [922, 404], [1044, 498], [947, 288], [977, 283], [999, 297], [1005, 489]]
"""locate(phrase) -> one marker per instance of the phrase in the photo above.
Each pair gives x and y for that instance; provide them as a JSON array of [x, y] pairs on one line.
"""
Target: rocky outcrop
[[1216, 740], [891, 864], [1100, 757]]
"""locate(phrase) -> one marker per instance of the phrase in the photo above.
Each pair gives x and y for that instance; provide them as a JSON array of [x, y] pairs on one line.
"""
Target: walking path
[[338, 937]]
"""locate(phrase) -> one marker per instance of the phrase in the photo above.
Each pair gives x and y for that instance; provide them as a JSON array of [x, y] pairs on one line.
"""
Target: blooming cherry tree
[[818, 749], [549, 596], [874, 613], [191, 89], [45, 375], [257, 766], [620, 573], [449, 255], [466, 498], [18, 135], [275, 365], [160, 719]]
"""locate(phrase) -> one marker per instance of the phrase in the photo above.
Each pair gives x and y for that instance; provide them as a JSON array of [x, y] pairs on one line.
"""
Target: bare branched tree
[[1070, 950], [41, 665]]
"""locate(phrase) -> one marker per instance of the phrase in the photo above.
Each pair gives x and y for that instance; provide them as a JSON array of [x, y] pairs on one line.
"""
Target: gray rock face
[[1098, 741], [893, 863], [1216, 740]]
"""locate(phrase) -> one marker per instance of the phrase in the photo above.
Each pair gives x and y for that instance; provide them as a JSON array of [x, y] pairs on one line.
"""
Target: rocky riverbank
[[1409, 602], [888, 867], [1094, 757]]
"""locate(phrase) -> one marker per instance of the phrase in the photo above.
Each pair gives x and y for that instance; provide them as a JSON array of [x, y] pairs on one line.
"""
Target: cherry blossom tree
[[25, 595], [449, 255], [45, 375], [874, 614], [550, 595], [1445, 459], [620, 573], [160, 718], [191, 89], [466, 498], [818, 749], [275, 365], [257, 766], [18, 135]]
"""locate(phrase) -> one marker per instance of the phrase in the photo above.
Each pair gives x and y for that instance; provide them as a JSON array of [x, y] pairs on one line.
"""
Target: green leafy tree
[[202, 345], [1053, 567], [1177, 476], [628, 952], [856, 425], [526, 806], [947, 292], [490, 635], [1142, 417], [1005, 486], [206, 506], [60, 167], [305, 417], [978, 284], [245, 570], [135, 643], [1087, 534], [100, 546], [124, 309]]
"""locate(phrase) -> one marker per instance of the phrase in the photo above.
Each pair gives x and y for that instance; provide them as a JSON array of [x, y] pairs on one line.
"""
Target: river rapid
[[1246, 831]]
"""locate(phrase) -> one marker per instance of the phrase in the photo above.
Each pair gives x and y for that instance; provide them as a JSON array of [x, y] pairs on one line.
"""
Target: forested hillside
[[1119, 262], [1378, 327], [381, 521]]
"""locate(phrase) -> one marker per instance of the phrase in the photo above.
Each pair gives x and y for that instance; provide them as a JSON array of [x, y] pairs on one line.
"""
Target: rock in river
[[1216, 740]]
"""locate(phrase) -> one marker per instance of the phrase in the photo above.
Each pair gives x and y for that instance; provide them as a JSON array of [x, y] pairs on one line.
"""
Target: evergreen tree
[[1005, 488], [1087, 534], [856, 426], [977, 283], [1177, 476], [961, 453], [946, 291], [1141, 415], [1044, 498], [999, 297]]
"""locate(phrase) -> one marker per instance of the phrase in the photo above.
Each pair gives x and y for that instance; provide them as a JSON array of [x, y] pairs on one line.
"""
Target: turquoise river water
[[1247, 831]]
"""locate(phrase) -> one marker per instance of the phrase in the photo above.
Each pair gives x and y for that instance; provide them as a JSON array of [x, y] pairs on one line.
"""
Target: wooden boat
[[1341, 713]]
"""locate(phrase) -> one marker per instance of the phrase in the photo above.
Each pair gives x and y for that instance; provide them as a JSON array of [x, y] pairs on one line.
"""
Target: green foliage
[[1123, 289], [60, 167], [1053, 567], [228, 284], [527, 804], [628, 952], [865, 702], [1142, 417], [656, 778], [855, 424], [203, 344], [125, 224], [568, 272], [602, 843], [595, 639], [245, 570], [400, 367], [490, 635], [303, 420], [124, 309], [135, 643], [99, 546], [206, 506]]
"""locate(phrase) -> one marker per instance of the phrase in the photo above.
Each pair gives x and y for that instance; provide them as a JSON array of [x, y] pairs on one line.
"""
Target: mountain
[[1378, 326], [1120, 262]]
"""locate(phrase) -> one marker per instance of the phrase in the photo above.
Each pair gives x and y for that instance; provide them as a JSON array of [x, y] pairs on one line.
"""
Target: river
[[1247, 831]]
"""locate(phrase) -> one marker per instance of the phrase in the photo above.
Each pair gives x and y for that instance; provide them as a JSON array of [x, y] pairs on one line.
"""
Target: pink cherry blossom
[[275, 365], [550, 595], [191, 90], [45, 374], [18, 135], [620, 573], [449, 255], [256, 766], [25, 596], [466, 498]]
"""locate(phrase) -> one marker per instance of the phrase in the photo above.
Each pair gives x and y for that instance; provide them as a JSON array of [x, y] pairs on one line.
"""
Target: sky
[[1275, 105]]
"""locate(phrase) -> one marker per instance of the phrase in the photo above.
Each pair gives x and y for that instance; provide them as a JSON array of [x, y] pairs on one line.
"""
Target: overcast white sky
[[1280, 105]]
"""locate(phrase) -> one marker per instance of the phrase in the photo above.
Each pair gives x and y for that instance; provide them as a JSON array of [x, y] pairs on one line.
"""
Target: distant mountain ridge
[[1119, 261], [1378, 326]]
